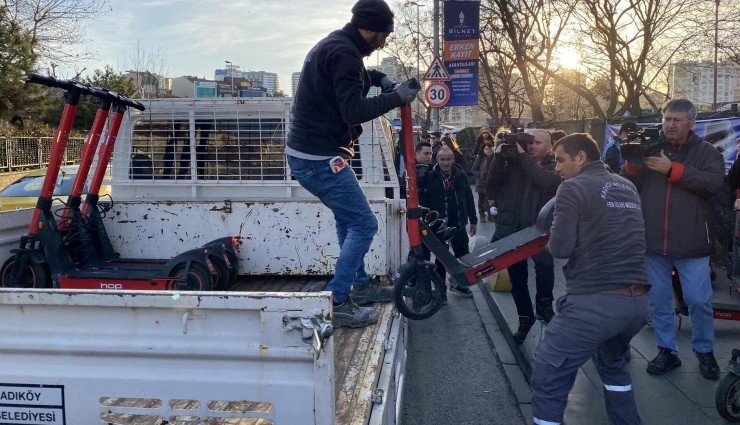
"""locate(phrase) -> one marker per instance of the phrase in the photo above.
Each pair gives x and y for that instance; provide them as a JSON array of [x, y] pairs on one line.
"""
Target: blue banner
[[461, 51]]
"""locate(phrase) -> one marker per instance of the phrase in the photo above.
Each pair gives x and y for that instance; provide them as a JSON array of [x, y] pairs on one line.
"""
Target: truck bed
[[357, 352]]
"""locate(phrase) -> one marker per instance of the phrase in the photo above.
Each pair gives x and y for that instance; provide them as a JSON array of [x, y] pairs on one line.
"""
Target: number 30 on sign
[[437, 94]]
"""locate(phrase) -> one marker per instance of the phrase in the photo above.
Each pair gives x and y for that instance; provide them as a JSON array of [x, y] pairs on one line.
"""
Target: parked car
[[24, 192]]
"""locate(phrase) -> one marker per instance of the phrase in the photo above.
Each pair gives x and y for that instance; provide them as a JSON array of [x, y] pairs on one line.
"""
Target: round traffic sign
[[437, 94]]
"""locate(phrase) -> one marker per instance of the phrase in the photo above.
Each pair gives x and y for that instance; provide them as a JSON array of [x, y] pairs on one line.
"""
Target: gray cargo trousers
[[598, 326]]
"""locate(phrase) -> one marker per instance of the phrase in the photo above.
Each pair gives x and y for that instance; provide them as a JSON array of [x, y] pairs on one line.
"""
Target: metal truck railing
[[221, 148]]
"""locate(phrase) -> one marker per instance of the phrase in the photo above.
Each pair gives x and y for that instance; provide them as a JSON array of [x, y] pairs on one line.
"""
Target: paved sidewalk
[[681, 397]]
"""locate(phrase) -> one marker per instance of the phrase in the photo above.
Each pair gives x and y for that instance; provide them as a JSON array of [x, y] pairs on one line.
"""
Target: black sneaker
[[543, 309], [350, 315], [371, 293], [663, 362], [463, 291], [525, 324], [708, 365]]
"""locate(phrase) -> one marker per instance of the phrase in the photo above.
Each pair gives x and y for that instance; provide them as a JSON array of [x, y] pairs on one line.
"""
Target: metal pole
[[435, 18], [418, 51], [716, 45]]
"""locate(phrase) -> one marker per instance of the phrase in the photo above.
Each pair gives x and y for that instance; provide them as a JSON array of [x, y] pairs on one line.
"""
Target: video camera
[[511, 139], [642, 143]]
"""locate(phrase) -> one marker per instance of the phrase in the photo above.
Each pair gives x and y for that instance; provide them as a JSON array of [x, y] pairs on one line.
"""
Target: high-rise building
[[267, 80], [294, 82], [695, 81], [396, 72]]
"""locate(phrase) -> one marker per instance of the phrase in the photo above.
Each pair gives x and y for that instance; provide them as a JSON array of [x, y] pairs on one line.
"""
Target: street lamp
[[418, 48], [231, 72]]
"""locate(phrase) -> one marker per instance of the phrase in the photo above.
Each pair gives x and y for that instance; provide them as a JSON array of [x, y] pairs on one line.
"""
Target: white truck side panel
[[278, 237], [172, 355]]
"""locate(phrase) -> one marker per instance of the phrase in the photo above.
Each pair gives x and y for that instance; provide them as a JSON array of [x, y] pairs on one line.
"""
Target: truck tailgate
[[83, 357]]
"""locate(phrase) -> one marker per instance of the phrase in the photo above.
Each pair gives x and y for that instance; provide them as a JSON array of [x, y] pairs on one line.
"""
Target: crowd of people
[[622, 226]]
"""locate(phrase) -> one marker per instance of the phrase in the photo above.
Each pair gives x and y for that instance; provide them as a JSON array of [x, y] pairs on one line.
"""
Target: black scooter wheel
[[197, 277], [222, 279], [34, 276], [417, 299], [727, 398], [233, 266]]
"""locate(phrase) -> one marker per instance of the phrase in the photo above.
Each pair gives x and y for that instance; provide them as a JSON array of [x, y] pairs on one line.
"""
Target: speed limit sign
[[437, 94]]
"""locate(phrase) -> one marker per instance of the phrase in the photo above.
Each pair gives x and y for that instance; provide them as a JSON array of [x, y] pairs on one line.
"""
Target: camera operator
[[677, 186], [522, 182], [613, 150]]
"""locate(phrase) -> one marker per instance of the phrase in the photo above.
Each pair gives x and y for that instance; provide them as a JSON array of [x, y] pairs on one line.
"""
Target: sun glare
[[566, 57]]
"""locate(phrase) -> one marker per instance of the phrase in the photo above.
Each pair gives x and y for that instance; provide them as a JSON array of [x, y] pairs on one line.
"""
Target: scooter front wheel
[[418, 294], [727, 398], [33, 276]]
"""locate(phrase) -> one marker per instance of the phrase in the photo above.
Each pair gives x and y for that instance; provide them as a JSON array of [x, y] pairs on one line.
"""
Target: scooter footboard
[[504, 253]]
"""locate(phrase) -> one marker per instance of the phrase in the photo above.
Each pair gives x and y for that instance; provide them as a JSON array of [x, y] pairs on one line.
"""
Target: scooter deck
[[512, 245]]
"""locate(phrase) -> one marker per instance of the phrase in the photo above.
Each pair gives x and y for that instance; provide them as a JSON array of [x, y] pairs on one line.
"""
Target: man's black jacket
[[330, 104], [432, 195], [520, 187]]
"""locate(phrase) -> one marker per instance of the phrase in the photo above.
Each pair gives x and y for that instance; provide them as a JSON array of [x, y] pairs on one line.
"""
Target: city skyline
[[198, 37]]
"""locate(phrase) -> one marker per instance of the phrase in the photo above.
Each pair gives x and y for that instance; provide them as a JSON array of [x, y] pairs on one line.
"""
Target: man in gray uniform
[[598, 227]]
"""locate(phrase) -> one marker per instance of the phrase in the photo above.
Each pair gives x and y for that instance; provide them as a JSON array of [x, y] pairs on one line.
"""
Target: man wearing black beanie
[[328, 111]]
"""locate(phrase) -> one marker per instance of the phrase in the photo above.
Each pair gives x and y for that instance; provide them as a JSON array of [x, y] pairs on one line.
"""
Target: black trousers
[[459, 244], [544, 270]]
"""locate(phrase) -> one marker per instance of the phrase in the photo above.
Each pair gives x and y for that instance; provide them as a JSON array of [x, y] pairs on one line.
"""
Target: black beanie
[[373, 15]]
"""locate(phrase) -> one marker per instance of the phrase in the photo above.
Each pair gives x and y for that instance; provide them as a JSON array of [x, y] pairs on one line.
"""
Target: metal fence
[[25, 153]]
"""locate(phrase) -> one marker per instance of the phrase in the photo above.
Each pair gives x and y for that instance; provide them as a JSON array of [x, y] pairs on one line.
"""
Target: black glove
[[407, 90], [387, 85]]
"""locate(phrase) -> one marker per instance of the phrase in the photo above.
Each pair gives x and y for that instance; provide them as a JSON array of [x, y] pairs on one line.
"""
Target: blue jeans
[[697, 291], [356, 223]]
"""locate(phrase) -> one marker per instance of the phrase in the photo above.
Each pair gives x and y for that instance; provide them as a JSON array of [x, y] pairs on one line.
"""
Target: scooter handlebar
[[123, 100], [85, 88]]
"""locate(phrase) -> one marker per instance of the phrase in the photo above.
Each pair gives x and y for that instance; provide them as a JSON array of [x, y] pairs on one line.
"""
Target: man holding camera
[[522, 181], [612, 155], [677, 186]]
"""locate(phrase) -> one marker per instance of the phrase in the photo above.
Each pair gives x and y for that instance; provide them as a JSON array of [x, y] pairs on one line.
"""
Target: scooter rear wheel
[[416, 299], [197, 277], [35, 275], [727, 398], [233, 267], [222, 278]]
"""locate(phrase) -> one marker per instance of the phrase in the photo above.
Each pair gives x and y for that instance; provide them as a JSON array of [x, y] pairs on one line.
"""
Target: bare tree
[[57, 27], [150, 63]]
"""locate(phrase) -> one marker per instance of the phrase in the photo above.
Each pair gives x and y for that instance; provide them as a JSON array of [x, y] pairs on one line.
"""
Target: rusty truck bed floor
[[355, 350]]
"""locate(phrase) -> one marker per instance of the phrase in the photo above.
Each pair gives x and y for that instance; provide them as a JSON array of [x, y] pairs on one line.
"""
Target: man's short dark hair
[[576, 142], [681, 105], [426, 136], [421, 145], [436, 134], [557, 135], [628, 127]]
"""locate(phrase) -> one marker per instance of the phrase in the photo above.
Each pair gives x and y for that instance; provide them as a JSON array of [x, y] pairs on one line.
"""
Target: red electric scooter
[[46, 251], [418, 287], [86, 231]]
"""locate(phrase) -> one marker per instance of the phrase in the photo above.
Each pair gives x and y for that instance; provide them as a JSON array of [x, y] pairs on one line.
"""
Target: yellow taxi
[[24, 192]]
